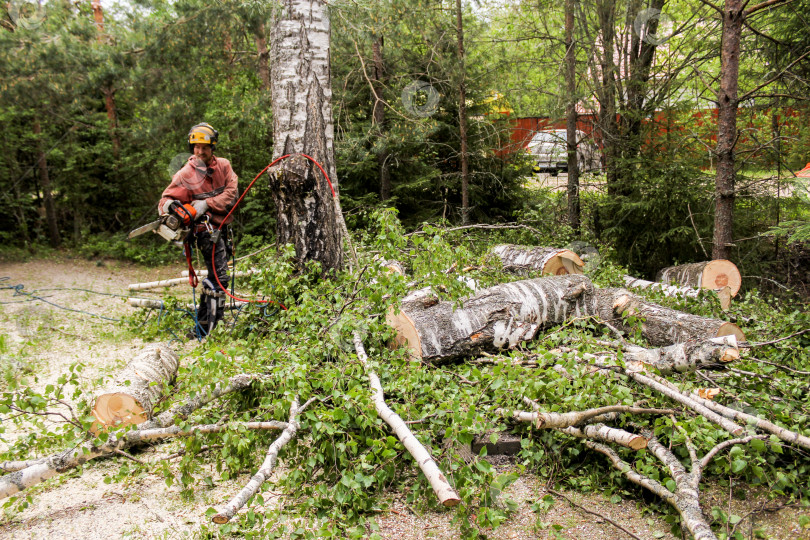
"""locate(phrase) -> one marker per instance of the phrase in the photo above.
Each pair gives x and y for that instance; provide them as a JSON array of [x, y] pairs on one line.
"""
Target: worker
[[210, 186]]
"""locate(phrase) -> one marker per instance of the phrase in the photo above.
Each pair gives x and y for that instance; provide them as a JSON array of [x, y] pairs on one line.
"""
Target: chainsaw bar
[[145, 229]]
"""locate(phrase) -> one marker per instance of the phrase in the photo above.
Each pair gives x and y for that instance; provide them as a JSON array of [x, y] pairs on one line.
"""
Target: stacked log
[[713, 275], [134, 392], [498, 317], [523, 260], [660, 326]]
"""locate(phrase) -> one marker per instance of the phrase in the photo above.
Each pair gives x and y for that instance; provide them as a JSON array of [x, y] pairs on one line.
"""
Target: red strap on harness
[[192, 276]]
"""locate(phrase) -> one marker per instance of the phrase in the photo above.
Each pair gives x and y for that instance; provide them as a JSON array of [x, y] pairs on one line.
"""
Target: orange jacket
[[217, 184]]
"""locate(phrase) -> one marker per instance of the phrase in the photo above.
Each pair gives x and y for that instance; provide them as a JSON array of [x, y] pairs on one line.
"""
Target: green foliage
[[656, 216], [344, 463]]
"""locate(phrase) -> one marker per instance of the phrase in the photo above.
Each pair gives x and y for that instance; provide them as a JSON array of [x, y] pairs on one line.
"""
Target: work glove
[[168, 205], [200, 206]]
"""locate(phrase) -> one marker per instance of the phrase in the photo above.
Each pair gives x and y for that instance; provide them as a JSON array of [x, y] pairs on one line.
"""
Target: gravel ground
[[44, 339]]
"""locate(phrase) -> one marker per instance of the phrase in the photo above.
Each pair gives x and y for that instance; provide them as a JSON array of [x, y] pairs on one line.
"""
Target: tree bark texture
[[47, 193], [307, 212], [263, 55], [137, 388], [711, 275], [107, 89], [571, 117], [727, 103], [462, 120], [524, 260], [441, 487], [660, 326], [605, 87], [378, 114], [754, 421], [684, 357], [498, 317], [601, 432]]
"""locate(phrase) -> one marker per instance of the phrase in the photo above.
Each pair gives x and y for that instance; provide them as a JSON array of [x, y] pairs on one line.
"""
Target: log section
[[129, 400], [661, 326], [703, 275], [498, 317], [523, 260]]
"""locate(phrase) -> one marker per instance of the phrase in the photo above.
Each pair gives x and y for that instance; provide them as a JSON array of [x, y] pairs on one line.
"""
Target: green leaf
[[738, 466]]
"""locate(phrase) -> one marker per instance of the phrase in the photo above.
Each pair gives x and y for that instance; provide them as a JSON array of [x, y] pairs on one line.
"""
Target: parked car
[[550, 149]]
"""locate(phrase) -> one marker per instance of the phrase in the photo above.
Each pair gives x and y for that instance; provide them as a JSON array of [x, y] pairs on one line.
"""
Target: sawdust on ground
[[46, 340]]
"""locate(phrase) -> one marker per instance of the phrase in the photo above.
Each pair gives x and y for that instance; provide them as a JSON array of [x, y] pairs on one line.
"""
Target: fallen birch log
[[151, 303], [498, 317], [723, 294], [129, 400], [660, 326], [604, 433], [683, 357], [671, 391], [46, 468], [524, 260], [711, 275], [239, 273], [71, 458], [754, 421], [441, 487], [182, 280], [552, 420], [226, 513]]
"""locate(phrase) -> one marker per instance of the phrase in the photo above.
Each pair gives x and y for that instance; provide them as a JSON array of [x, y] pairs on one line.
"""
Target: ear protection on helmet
[[202, 134]]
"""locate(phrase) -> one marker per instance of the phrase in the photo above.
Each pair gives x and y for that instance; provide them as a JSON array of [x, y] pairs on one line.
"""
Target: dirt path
[[42, 339]]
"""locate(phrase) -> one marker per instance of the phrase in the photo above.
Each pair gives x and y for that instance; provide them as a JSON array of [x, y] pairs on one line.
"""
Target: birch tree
[[306, 208]]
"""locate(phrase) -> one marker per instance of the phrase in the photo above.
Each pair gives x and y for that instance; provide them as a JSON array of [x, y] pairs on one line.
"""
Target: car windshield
[[548, 137]]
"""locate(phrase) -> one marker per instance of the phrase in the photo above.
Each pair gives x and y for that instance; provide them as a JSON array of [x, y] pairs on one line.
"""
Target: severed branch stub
[[226, 513], [444, 491]]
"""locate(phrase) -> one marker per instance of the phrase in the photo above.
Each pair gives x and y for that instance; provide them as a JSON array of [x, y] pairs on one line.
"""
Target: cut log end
[[118, 409], [722, 273], [708, 393], [729, 355], [564, 262], [220, 519], [731, 329], [451, 501], [638, 443], [407, 336]]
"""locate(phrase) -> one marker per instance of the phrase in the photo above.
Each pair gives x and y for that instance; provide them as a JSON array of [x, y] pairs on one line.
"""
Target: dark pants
[[211, 306]]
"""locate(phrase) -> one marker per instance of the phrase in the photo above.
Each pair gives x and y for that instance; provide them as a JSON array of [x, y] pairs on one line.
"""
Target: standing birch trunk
[[307, 211]]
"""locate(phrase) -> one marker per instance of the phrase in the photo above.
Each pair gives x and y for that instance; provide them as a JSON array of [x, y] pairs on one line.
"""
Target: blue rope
[[18, 291]]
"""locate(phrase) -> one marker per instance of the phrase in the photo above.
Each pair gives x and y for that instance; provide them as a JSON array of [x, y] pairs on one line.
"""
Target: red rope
[[239, 200], [192, 276]]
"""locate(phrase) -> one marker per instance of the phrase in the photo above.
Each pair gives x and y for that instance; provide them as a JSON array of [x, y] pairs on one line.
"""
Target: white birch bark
[[308, 216], [226, 512], [523, 260], [660, 326], [441, 487], [498, 317], [732, 414], [129, 400]]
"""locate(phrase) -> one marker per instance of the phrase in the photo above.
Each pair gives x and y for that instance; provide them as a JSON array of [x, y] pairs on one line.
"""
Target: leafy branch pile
[[343, 464]]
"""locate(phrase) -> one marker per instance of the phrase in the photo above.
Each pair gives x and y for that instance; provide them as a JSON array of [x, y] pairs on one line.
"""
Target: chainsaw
[[174, 226]]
